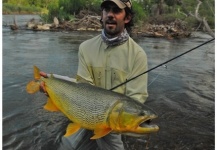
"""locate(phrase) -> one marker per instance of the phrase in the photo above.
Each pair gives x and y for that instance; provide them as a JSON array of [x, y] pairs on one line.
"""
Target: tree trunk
[[202, 20], [160, 7]]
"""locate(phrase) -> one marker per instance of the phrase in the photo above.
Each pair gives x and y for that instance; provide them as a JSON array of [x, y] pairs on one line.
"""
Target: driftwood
[[202, 20], [14, 26], [175, 29], [88, 23]]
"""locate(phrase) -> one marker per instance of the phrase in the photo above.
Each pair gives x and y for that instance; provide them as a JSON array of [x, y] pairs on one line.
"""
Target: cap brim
[[117, 2]]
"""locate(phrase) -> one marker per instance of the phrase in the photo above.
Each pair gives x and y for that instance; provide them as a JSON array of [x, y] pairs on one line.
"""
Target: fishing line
[[162, 64], [165, 67], [156, 77], [161, 72]]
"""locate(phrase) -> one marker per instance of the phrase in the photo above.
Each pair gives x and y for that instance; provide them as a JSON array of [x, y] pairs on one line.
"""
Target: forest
[[198, 14]]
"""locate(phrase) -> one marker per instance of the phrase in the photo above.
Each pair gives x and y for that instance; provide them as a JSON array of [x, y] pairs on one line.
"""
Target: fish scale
[[90, 109]]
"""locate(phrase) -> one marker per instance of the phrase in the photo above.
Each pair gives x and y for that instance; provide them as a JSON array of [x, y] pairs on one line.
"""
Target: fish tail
[[36, 73], [34, 86]]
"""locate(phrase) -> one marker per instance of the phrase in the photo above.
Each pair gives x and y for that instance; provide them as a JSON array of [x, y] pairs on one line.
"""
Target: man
[[113, 57], [106, 61]]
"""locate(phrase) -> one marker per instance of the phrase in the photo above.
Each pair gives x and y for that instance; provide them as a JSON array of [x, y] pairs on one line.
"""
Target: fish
[[94, 108]]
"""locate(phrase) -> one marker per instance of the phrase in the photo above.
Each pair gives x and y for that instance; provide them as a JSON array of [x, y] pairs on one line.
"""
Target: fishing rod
[[162, 64]]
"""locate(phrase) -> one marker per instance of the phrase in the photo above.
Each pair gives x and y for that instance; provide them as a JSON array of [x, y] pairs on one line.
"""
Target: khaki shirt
[[107, 66]]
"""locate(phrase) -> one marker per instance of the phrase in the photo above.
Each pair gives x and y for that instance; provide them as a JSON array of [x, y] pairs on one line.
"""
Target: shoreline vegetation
[[176, 29], [156, 23]]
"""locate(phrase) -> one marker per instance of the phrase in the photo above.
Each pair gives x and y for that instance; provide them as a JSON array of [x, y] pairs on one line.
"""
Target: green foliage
[[60, 9], [172, 2], [192, 22], [95, 6], [53, 12], [70, 6], [45, 18], [206, 10], [144, 9], [67, 9], [36, 3], [11, 8], [140, 13], [19, 2]]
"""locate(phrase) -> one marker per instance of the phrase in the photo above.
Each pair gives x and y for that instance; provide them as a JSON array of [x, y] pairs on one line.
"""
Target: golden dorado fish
[[94, 108]]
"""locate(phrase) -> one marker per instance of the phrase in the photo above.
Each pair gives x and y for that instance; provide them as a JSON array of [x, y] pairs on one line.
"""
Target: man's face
[[114, 19]]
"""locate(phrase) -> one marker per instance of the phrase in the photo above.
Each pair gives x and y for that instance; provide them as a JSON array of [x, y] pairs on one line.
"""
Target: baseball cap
[[120, 3]]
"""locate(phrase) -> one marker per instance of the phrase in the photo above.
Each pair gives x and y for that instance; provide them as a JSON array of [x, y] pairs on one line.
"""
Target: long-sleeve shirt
[[107, 66]]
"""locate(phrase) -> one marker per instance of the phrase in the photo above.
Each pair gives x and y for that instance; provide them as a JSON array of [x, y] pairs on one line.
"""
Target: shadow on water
[[182, 91]]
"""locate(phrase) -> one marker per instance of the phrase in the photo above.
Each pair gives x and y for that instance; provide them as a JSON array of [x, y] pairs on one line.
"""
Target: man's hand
[[42, 85]]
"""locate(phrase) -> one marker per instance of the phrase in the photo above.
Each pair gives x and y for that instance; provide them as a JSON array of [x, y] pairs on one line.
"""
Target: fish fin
[[32, 87], [50, 106], [72, 128], [100, 132], [36, 73]]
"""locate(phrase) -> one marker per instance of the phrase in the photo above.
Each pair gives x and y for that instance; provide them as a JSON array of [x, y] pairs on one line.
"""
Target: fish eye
[[142, 113]]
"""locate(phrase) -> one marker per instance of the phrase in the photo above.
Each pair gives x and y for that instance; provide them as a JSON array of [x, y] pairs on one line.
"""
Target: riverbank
[[175, 29]]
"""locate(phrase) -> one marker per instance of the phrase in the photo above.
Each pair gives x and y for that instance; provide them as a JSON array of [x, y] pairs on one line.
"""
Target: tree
[[202, 19]]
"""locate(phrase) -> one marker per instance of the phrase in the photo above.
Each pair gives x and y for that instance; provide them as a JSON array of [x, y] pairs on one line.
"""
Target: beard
[[111, 32], [111, 28]]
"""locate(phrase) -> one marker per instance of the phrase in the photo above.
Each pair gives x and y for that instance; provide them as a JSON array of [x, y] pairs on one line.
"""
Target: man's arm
[[83, 73]]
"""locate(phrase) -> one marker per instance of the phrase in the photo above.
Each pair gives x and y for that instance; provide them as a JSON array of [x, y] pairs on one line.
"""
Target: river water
[[181, 92]]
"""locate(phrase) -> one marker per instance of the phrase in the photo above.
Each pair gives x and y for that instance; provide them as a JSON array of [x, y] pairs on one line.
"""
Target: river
[[181, 92]]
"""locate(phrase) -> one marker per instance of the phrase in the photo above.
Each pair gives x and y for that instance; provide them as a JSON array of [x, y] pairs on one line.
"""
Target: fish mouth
[[143, 129], [147, 125]]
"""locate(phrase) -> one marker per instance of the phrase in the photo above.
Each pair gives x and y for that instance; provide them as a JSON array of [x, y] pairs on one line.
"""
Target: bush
[[12, 8], [140, 13], [60, 13], [192, 22]]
